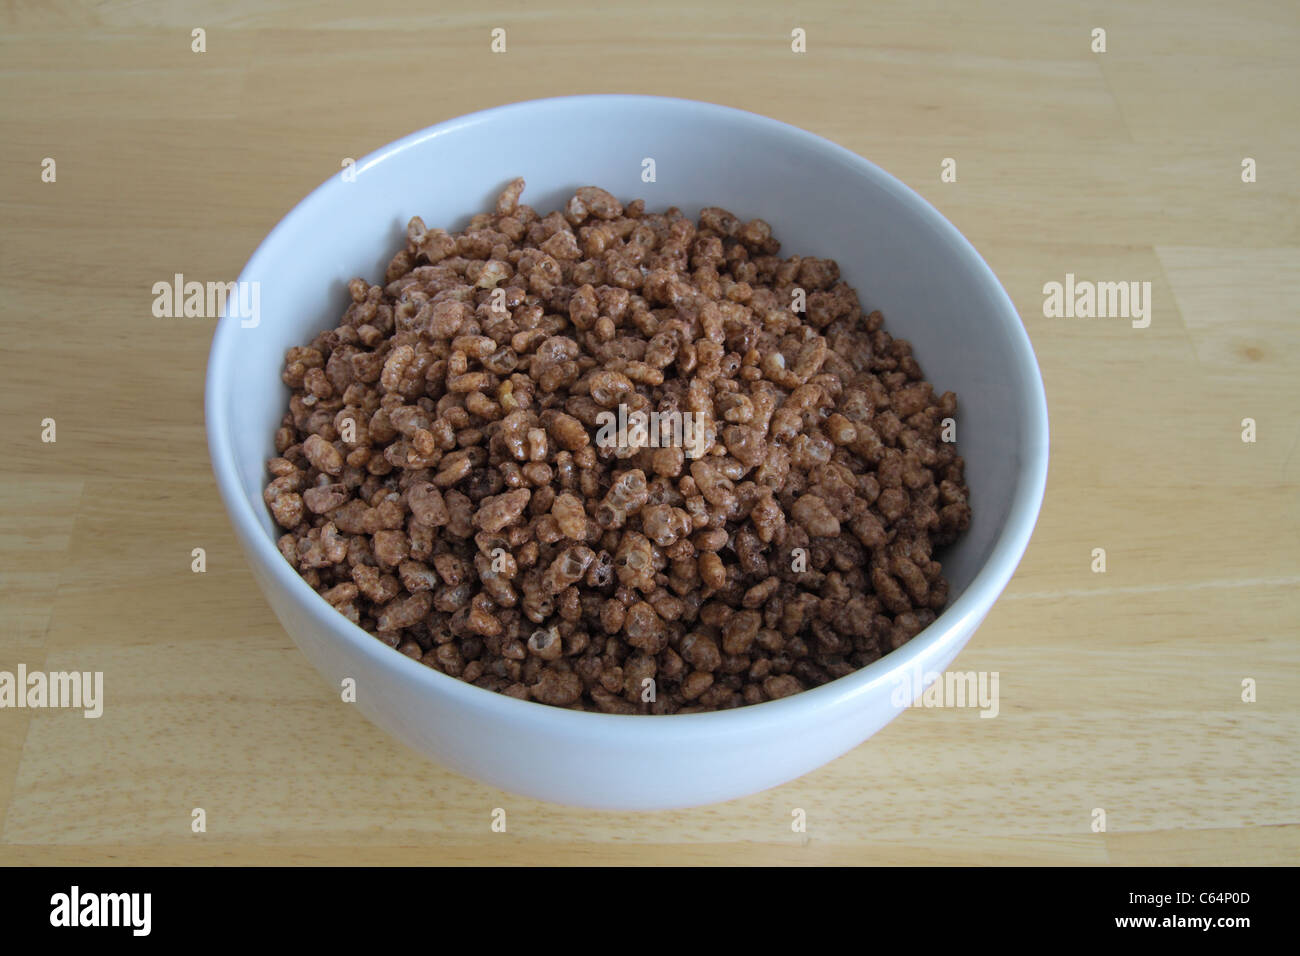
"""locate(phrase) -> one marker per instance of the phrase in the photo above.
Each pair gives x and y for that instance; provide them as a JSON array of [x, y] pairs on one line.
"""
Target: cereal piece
[[556, 687], [398, 615], [322, 455], [287, 510], [500, 510], [325, 498], [570, 516], [417, 576], [813, 513]]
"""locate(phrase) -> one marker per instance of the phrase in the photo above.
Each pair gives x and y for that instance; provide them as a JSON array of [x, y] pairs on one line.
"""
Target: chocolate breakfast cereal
[[618, 461]]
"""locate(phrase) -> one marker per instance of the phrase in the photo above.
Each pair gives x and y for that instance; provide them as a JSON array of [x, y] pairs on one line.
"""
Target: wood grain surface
[[1120, 691]]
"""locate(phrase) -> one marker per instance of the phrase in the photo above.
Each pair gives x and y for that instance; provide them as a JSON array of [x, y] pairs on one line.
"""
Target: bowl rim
[[961, 617]]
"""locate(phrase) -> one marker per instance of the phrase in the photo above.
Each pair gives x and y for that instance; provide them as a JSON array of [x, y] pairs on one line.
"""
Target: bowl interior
[[899, 254]]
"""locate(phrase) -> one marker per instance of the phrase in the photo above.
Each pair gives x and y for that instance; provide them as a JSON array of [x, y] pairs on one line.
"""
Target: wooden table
[[1119, 690]]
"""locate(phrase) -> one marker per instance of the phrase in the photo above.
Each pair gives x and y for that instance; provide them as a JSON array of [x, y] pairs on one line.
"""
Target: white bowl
[[900, 254]]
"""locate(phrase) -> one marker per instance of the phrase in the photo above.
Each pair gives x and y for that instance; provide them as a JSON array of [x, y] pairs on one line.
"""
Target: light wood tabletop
[[1163, 692]]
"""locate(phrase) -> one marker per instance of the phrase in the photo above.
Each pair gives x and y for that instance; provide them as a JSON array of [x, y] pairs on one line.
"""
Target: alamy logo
[[914, 687], [75, 908], [632, 431], [38, 689], [1100, 300], [198, 300]]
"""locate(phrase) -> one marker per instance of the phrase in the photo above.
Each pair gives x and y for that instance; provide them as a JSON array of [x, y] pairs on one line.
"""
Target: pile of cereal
[[471, 471]]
